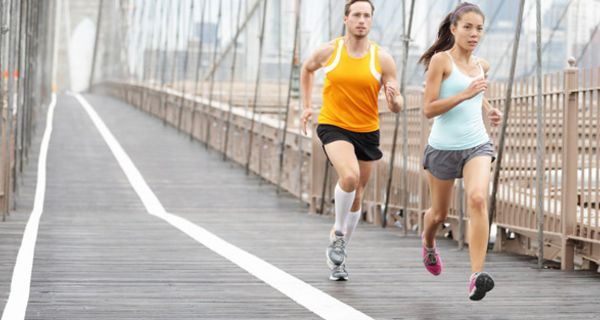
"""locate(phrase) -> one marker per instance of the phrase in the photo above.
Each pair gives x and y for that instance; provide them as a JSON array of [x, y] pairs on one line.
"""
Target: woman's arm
[[433, 106], [494, 115]]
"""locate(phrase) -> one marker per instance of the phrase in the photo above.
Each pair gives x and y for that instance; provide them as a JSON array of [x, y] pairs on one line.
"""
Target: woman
[[458, 145]]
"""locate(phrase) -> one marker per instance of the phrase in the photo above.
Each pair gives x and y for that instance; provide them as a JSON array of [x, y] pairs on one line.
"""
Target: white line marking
[[21, 279], [302, 293]]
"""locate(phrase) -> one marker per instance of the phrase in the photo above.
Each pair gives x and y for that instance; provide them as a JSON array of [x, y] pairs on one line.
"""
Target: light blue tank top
[[461, 127]]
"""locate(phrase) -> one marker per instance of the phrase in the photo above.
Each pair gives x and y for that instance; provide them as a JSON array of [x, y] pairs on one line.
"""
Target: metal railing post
[[569, 165]]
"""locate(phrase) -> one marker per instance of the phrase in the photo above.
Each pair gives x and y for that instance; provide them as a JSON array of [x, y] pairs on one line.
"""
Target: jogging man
[[355, 70]]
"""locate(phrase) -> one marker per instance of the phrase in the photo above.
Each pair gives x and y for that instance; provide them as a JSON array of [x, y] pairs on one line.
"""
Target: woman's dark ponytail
[[445, 41]]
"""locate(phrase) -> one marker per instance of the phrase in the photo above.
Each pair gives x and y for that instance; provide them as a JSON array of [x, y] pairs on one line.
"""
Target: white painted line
[[302, 293], [21, 279]]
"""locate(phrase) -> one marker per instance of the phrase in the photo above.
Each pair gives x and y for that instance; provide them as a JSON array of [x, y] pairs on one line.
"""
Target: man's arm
[[389, 79], [307, 77]]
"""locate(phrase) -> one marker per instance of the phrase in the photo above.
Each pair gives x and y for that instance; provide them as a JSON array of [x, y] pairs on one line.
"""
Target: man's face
[[359, 20]]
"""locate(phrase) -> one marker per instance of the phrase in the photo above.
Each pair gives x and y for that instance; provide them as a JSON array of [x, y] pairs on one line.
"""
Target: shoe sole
[[332, 278], [483, 285]]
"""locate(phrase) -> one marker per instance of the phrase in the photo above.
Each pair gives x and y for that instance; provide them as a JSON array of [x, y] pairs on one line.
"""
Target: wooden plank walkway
[[99, 255]]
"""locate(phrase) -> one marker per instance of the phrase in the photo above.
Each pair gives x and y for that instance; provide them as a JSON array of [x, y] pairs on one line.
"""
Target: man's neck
[[356, 46]]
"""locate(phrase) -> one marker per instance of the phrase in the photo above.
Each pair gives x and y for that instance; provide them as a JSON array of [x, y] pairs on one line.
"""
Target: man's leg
[[365, 168], [341, 154]]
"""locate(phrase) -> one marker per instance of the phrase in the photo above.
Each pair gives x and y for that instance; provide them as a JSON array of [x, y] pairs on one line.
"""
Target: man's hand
[[305, 118], [495, 116], [392, 95]]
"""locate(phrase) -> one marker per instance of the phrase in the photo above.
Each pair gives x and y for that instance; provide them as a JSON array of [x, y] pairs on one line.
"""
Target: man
[[355, 70]]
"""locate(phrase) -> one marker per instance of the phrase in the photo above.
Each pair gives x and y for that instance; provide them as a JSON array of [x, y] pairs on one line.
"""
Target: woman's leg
[[477, 178], [441, 194]]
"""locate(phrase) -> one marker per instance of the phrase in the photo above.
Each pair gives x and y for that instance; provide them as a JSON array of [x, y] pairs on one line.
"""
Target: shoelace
[[340, 268], [339, 243], [431, 259]]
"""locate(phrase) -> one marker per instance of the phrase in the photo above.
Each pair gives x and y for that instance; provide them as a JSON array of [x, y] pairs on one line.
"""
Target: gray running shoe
[[336, 251], [339, 273]]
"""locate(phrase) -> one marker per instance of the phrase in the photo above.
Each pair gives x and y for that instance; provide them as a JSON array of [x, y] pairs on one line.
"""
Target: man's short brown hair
[[351, 2]]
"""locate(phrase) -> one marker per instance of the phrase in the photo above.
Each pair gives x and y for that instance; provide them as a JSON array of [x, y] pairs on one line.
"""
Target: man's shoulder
[[384, 55], [325, 50]]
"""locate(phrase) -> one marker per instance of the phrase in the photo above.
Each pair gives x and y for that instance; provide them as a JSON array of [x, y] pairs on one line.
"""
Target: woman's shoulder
[[440, 61], [484, 64]]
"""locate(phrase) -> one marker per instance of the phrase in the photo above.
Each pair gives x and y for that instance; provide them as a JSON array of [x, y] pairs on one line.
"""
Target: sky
[[318, 20]]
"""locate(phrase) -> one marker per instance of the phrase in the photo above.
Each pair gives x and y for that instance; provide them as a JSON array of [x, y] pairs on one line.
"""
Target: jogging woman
[[458, 146]]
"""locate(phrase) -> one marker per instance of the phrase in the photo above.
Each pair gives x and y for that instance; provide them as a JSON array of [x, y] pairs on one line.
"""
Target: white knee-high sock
[[343, 203], [351, 223]]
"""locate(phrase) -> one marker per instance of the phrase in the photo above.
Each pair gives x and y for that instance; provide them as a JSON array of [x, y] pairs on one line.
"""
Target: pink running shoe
[[432, 260], [480, 284]]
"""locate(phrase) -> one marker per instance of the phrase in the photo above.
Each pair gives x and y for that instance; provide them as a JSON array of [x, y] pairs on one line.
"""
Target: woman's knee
[[437, 215], [477, 200]]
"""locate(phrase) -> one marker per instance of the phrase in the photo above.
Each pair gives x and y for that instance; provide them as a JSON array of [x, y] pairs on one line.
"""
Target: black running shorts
[[366, 144]]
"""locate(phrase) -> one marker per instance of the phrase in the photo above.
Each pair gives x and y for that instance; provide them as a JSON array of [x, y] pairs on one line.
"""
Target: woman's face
[[468, 30]]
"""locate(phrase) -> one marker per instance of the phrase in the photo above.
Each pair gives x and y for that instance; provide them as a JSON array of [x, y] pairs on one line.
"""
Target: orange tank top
[[351, 89]]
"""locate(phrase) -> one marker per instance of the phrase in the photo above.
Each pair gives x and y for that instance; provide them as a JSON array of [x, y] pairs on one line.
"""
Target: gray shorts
[[449, 164]]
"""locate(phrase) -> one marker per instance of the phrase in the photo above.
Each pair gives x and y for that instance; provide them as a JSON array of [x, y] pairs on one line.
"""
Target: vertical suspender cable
[[293, 66], [212, 78], [95, 55], [198, 67], [407, 32], [186, 63], [540, 139], [507, 103], [231, 84], [257, 86]]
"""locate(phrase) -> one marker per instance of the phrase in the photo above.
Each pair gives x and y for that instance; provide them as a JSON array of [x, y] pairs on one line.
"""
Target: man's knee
[[359, 194], [349, 181]]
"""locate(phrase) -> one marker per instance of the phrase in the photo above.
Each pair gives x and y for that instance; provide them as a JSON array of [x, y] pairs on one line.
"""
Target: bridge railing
[[26, 53], [571, 161]]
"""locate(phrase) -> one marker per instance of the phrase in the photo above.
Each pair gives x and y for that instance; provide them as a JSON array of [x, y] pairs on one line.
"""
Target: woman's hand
[[476, 87], [495, 116]]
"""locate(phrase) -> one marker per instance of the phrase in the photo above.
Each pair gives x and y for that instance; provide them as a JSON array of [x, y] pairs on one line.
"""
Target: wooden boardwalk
[[100, 255]]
